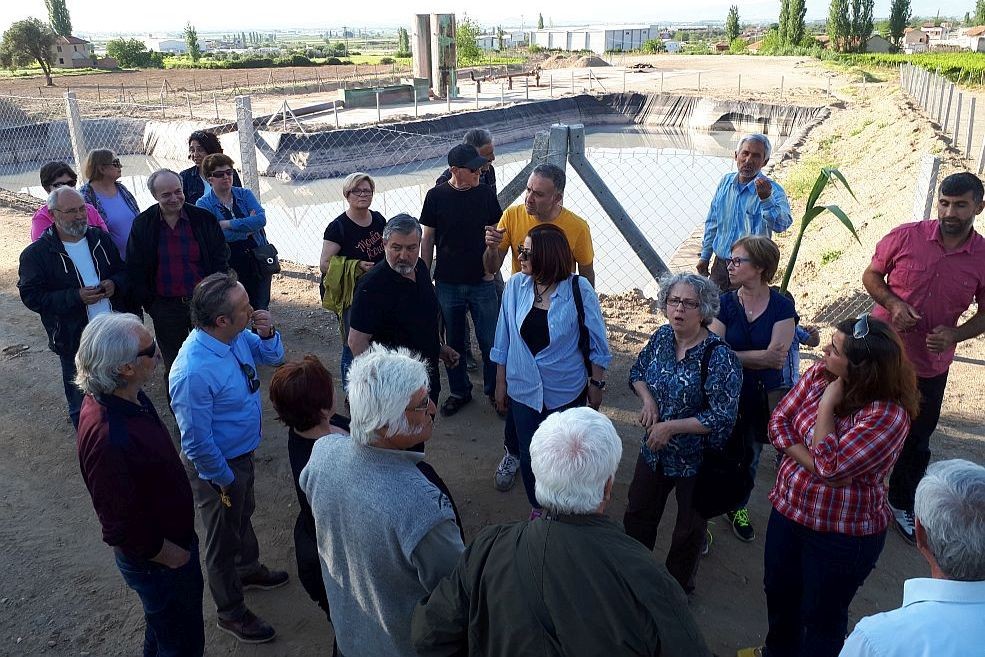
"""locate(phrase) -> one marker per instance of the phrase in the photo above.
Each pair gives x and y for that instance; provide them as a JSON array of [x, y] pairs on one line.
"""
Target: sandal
[[454, 404]]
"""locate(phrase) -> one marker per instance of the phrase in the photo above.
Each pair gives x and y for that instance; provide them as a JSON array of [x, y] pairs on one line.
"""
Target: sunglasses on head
[[861, 330], [150, 351]]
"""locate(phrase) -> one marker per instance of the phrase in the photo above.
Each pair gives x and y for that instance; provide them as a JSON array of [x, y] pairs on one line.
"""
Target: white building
[[599, 39], [173, 46]]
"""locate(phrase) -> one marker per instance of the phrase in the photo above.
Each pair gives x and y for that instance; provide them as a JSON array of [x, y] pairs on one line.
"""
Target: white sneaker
[[506, 472], [905, 524]]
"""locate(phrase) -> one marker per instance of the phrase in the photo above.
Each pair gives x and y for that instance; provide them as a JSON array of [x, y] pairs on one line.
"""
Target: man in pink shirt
[[923, 277], [53, 176]]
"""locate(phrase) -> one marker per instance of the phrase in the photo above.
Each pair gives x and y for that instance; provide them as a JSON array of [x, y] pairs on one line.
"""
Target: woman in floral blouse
[[681, 415], [841, 430]]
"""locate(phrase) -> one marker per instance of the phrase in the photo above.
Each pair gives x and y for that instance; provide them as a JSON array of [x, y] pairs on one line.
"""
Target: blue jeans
[[72, 393], [172, 601], [525, 422], [480, 301], [810, 579], [345, 362]]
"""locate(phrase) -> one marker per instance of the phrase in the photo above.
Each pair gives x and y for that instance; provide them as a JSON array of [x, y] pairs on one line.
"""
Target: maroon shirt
[[179, 267], [138, 485]]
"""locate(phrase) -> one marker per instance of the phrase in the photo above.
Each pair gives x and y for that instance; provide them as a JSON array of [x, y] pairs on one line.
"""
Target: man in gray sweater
[[386, 533]]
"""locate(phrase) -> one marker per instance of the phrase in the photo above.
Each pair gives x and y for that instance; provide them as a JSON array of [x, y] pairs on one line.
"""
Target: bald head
[[165, 187], [68, 211], [69, 197]]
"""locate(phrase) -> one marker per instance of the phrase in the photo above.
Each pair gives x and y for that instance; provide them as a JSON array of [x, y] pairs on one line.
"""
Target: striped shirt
[[736, 211], [863, 446]]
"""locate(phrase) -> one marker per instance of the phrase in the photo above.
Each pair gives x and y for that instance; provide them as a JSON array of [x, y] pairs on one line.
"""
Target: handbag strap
[[584, 343], [705, 364], [527, 582]]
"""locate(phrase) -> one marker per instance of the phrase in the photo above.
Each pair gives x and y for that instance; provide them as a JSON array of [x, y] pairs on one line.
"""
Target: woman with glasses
[[758, 323], [303, 395], [242, 219], [55, 175], [355, 240], [841, 430], [688, 381], [114, 202], [194, 182], [550, 354]]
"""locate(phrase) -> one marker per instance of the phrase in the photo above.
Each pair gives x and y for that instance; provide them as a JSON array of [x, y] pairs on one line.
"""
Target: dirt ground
[[61, 592]]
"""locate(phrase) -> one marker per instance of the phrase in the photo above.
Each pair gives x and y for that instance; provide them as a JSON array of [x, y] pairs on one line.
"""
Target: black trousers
[[913, 460], [648, 495], [172, 324]]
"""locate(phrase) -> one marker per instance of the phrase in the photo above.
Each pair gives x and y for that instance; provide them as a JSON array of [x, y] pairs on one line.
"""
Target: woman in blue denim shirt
[[680, 418], [540, 368], [242, 219]]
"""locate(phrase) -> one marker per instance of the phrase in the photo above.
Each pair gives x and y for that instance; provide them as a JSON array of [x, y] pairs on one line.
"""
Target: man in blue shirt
[[215, 395], [745, 203]]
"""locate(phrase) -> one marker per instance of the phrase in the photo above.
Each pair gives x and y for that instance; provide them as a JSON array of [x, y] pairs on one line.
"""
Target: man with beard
[[395, 303], [70, 275], [924, 276], [745, 203]]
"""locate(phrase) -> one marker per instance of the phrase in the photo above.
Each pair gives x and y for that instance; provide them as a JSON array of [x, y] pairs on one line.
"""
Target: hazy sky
[[157, 16]]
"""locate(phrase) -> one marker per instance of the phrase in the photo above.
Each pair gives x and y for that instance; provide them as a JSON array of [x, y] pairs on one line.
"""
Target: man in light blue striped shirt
[[745, 203]]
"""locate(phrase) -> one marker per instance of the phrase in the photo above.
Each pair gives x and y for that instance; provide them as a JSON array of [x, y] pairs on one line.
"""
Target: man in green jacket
[[570, 583]]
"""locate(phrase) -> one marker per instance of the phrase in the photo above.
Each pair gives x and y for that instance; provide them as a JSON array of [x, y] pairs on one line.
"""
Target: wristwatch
[[598, 384]]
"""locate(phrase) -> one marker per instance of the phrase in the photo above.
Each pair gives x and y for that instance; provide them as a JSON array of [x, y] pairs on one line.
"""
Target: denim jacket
[[242, 227]]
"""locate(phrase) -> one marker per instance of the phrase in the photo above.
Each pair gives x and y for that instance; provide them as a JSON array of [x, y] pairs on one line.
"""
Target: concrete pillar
[[420, 46], [444, 56]]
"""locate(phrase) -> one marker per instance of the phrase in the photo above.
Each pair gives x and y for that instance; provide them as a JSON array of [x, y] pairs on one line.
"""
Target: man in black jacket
[[70, 275], [173, 245]]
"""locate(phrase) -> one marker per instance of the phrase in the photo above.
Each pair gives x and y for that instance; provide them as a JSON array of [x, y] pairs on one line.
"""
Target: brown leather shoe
[[249, 628], [264, 579]]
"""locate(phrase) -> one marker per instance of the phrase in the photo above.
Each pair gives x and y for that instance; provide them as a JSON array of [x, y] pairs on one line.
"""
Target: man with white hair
[[386, 532], [746, 202], [138, 485], [70, 275], [569, 583], [943, 615]]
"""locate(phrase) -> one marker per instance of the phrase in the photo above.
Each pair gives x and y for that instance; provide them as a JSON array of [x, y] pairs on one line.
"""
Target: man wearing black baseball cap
[[454, 219]]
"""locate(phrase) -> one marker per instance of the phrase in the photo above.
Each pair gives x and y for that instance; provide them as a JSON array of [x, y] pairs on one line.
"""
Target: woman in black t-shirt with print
[[356, 234]]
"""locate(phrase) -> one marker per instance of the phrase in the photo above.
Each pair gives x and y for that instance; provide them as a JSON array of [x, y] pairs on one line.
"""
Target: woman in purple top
[[114, 202]]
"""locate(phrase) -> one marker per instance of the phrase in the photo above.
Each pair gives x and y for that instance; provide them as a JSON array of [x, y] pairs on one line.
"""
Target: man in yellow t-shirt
[[542, 204]]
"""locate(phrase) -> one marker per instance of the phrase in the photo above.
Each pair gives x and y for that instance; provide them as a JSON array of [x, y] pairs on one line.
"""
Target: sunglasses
[[861, 330], [524, 253], [115, 163], [736, 261], [149, 352], [57, 185], [251, 377], [222, 173], [689, 304]]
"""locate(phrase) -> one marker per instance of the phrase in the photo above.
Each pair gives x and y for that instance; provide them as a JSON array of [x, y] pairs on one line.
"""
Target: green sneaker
[[741, 526]]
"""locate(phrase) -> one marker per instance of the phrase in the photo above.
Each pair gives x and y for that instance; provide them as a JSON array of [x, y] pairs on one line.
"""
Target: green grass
[[800, 178], [35, 71], [968, 67], [830, 256]]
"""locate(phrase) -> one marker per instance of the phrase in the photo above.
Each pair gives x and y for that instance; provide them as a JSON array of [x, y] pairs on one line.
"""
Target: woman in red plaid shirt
[[840, 429]]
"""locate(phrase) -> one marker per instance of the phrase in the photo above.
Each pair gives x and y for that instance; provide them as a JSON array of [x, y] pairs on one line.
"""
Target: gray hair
[[108, 342], [152, 178], [403, 224], [382, 382], [759, 137], [553, 173], [949, 505], [573, 454], [477, 138], [708, 293], [55, 193], [210, 298]]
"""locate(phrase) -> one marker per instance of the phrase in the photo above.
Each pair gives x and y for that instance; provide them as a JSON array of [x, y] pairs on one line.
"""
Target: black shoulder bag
[[723, 479], [584, 343]]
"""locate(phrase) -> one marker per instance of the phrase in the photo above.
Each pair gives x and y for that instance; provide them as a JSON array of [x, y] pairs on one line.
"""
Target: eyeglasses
[[677, 302], [149, 352], [422, 407], [251, 377], [524, 253], [861, 330], [361, 192], [736, 261], [75, 211], [63, 183], [221, 173]]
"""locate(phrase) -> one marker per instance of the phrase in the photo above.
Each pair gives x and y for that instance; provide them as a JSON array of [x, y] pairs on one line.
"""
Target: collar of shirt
[[215, 345], [125, 406], [402, 454], [926, 589], [973, 244]]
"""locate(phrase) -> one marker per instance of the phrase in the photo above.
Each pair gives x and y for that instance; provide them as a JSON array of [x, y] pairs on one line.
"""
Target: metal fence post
[[550, 84], [947, 112], [971, 127], [75, 133], [379, 112], [957, 121], [699, 81], [247, 144], [661, 81], [538, 155], [923, 200], [739, 90], [623, 222]]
